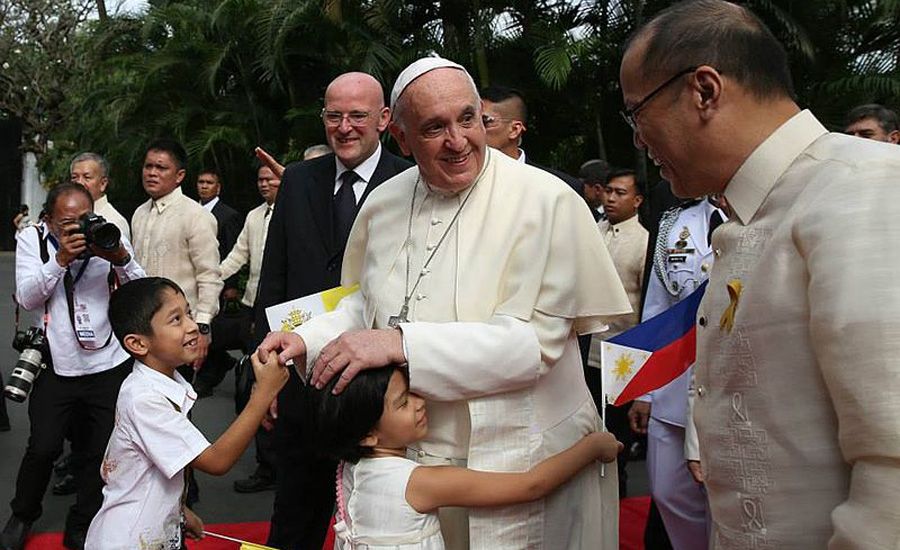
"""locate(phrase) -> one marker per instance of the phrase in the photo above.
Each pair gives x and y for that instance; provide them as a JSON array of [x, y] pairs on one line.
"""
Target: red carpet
[[632, 519]]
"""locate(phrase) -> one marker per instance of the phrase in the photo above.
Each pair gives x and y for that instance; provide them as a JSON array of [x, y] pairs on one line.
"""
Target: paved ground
[[218, 502]]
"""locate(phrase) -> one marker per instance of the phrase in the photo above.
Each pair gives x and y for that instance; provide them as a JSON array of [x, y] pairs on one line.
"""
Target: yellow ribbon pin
[[734, 293]]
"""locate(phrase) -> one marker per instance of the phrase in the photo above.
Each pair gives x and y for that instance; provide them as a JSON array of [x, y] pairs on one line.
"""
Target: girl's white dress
[[372, 510]]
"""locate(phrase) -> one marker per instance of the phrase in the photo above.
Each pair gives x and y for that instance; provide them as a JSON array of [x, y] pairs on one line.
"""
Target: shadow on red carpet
[[632, 520]]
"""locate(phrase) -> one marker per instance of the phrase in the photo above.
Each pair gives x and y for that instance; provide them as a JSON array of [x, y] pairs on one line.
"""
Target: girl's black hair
[[337, 423]]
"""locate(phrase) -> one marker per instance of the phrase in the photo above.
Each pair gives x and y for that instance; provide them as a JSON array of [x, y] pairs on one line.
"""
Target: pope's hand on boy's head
[[286, 344], [354, 351]]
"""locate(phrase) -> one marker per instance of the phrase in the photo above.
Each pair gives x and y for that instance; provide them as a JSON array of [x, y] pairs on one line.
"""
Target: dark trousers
[[4, 417], [264, 440], [54, 403], [231, 330], [304, 482], [655, 536], [616, 419]]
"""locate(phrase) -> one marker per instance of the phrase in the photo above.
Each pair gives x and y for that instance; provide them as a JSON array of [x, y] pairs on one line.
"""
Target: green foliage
[[224, 76]]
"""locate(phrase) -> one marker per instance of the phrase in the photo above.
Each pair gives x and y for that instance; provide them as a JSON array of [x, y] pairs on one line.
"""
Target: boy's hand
[[193, 525], [605, 445], [270, 375]]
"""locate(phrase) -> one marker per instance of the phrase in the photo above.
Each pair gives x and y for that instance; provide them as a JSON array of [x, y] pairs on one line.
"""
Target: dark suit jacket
[[572, 181], [302, 254], [230, 223]]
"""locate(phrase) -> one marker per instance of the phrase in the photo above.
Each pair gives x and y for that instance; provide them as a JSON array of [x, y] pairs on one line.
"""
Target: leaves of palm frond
[[873, 85]]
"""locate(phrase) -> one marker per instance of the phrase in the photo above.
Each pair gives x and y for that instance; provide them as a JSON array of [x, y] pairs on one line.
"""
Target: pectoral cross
[[395, 320]]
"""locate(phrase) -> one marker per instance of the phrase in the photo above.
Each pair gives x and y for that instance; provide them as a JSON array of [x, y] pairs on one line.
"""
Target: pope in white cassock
[[478, 272]]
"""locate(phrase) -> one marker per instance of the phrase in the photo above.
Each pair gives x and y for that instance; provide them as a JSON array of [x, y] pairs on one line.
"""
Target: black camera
[[99, 232], [32, 345]]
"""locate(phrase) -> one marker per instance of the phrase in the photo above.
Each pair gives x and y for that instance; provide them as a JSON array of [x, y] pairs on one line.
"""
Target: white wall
[[33, 193]]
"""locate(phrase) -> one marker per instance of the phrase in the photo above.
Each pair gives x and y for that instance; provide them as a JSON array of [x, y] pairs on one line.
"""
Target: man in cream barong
[[797, 378], [488, 269]]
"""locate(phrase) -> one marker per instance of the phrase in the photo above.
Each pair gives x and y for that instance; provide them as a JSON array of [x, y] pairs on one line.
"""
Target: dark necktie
[[714, 221], [345, 206]]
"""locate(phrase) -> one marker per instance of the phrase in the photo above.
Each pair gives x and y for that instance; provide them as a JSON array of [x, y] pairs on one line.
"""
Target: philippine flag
[[651, 354]]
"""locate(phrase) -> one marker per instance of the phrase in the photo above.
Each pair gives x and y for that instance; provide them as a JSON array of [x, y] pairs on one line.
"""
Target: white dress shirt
[[38, 283], [250, 246], [365, 170], [210, 204], [175, 237], [143, 468]]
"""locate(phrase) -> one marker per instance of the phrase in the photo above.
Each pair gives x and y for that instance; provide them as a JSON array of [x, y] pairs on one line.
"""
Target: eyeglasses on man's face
[[630, 115], [491, 121], [335, 118]]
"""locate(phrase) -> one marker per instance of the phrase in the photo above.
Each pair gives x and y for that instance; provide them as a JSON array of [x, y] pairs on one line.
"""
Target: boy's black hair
[[337, 423], [133, 305]]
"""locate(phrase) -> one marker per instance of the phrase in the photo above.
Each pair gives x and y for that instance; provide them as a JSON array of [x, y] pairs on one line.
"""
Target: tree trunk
[[101, 12], [598, 124]]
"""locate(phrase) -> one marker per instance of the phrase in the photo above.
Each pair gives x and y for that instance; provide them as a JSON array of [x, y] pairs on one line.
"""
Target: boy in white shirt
[[153, 440]]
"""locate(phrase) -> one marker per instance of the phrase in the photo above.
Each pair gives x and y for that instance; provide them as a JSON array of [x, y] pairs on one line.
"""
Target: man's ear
[[400, 137], [384, 118], [179, 176], [517, 128], [638, 200], [707, 86], [136, 345], [894, 137]]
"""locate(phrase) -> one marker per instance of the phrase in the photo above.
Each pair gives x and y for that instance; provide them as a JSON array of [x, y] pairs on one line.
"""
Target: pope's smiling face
[[440, 126]]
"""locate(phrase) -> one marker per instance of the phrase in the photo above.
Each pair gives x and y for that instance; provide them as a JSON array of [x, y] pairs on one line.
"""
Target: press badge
[[83, 327]]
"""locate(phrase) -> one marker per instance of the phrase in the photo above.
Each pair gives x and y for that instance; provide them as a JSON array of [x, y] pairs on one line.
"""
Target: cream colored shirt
[[103, 208], [249, 248], [492, 332], [627, 245], [798, 404], [175, 237]]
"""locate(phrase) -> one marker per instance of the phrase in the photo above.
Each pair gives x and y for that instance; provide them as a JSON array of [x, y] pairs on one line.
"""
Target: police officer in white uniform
[[682, 260]]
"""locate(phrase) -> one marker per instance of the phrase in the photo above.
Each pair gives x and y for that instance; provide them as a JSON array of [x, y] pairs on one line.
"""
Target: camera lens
[[23, 375], [105, 235]]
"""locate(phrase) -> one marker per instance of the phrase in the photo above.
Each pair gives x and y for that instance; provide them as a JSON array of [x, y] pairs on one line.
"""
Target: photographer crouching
[[71, 367]]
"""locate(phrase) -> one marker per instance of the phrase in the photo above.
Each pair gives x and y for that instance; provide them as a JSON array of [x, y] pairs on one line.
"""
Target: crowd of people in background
[[488, 277]]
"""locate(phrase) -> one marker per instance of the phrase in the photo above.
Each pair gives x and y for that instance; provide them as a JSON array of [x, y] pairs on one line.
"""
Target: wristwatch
[[124, 261], [203, 327]]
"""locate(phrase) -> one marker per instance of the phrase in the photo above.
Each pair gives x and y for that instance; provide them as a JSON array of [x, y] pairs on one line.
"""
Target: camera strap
[[69, 287], [45, 257]]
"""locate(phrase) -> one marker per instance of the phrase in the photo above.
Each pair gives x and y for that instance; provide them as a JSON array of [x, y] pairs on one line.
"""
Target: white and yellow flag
[[289, 315]]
